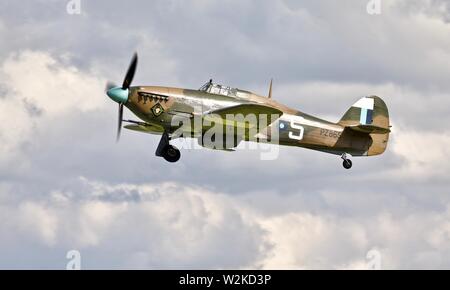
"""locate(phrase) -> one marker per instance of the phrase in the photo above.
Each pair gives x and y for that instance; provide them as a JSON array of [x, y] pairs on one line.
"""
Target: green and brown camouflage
[[244, 116], [349, 135]]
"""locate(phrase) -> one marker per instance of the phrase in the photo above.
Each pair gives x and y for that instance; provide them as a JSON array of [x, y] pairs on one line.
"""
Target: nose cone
[[118, 95]]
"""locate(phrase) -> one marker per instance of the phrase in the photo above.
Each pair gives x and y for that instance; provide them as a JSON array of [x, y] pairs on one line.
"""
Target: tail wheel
[[171, 153], [347, 164]]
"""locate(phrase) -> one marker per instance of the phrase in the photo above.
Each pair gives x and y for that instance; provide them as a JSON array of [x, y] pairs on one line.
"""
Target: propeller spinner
[[120, 94]]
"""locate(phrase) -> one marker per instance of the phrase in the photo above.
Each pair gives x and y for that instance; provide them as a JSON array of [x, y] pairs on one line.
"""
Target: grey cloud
[[179, 228], [175, 226], [289, 41], [323, 56]]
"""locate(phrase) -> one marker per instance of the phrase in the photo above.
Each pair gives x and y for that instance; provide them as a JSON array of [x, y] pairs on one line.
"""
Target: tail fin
[[369, 115]]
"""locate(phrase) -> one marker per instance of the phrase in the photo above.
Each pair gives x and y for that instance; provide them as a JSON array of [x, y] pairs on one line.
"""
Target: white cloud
[[39, 90], [36, 220], [172, 225], [51, 84], [426, 153], [299, 236]]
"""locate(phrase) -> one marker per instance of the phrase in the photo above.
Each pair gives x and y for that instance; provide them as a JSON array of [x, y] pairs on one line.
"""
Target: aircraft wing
[[252, 115], [144, 127]]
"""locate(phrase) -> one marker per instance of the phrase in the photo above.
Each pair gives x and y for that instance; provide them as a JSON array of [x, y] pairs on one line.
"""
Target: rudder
[[369, 113]]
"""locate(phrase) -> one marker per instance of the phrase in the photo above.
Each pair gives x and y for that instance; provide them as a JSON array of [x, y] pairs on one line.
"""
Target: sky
[[66, 185]]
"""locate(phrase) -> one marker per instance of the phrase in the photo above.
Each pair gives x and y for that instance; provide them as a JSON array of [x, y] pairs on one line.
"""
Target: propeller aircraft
[[362, 131]]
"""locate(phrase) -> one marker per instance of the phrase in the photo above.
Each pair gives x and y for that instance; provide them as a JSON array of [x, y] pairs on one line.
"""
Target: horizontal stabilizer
[[370, 129]]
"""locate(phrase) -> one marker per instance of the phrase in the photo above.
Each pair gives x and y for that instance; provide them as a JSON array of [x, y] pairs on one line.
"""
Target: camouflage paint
[[362, 131]]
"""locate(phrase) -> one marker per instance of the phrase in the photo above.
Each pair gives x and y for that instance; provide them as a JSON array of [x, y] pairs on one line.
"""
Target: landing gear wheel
[[347, 164], [171, 153]]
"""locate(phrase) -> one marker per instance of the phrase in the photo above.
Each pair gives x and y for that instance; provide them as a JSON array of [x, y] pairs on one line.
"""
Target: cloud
[[40, 90], [403, 242], [176, 226], [59, 211], [290, 41], [219, 209], [425, 153], [173, 226]]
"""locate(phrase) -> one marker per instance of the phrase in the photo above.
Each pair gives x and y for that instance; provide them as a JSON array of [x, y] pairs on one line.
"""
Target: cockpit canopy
[[213, 88]]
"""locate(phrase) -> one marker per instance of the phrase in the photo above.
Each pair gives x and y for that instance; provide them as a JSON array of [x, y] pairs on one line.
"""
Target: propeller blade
[[110, 85], [130, 73], [119, 127]]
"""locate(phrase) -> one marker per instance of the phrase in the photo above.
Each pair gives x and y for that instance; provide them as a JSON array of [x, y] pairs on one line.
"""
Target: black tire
[[347, 164], [171, 154]]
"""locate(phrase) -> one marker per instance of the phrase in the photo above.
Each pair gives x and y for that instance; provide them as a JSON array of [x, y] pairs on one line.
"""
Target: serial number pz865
[[330, 133]]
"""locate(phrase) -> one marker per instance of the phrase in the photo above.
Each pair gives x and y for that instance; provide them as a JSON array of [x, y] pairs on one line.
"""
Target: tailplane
[[369, 115]]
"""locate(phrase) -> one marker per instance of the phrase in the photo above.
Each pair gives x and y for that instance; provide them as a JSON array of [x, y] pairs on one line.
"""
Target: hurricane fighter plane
[[362, 131]]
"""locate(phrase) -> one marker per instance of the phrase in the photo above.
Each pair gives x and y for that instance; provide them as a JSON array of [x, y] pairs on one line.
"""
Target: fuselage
[[159, 106], [222, 117]]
